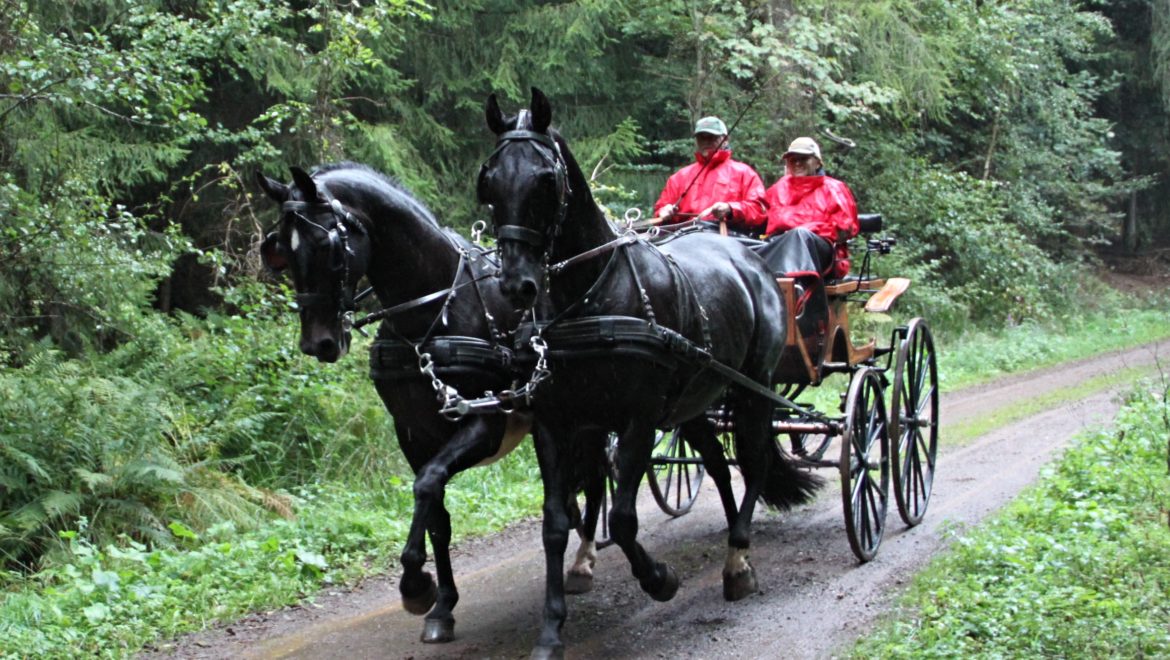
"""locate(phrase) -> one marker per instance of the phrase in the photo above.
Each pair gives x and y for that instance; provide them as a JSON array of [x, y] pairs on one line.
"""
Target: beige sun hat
[[803, 146]]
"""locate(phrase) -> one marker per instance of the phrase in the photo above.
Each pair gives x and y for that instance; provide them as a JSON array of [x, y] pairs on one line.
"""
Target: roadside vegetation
[[1075, 567], [168, 458]]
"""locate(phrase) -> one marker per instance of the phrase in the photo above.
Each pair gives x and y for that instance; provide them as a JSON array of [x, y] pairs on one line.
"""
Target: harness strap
[[522, 234], [448, 293], [680, 345], [642, 295]]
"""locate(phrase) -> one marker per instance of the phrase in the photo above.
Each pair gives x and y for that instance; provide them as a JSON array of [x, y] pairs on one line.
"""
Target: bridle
[[550, 153], [340, 254]]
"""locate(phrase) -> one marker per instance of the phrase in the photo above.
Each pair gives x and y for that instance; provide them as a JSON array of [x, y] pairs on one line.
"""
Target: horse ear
[[495, 116], [276, 190], [541, 111], [272, 254], [305, 183]]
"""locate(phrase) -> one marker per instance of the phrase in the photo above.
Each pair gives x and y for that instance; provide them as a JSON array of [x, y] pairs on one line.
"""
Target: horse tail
[[786, 484]]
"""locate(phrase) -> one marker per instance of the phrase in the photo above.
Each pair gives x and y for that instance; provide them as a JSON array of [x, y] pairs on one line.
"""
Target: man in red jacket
[[810, 216], [714, 186]]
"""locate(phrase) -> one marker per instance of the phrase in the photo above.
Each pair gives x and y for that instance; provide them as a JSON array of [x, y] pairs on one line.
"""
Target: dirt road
[[815, 597]]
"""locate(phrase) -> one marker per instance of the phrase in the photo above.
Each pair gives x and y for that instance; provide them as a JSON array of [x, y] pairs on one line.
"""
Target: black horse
[[704, 296], [347, 221]]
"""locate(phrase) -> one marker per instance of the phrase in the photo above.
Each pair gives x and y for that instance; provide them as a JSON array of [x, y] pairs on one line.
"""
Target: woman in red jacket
[[810, 216]]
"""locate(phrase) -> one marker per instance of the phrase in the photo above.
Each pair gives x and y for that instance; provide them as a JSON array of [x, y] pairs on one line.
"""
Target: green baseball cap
[[712, 125]]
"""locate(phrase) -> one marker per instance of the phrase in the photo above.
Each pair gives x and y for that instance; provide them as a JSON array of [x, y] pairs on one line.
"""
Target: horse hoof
[[421, 602], [548, 652], [740, 585], [668, 588], [438, 631], [578, 583]]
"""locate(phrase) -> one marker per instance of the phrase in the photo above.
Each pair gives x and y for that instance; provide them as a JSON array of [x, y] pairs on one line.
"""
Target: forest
[[150, 384]]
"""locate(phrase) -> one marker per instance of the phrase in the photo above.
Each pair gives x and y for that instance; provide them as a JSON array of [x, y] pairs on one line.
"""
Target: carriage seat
[[870, 223]]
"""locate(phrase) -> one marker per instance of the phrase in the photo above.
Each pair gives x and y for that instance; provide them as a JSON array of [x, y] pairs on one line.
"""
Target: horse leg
[[656, 578], [701, 437], [470, 444], [579, 577], [555, 475], [753, 418]]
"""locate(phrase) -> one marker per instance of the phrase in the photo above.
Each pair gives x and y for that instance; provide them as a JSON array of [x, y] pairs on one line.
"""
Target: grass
[[1078, 566], [111, 600]]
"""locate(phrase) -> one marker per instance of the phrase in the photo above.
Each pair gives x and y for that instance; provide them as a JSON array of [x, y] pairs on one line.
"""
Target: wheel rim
[[914, 422], [676, 473], [865, 465]]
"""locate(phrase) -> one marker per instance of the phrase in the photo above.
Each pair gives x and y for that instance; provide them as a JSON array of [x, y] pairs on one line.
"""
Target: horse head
[[327, 248], [524, 183]]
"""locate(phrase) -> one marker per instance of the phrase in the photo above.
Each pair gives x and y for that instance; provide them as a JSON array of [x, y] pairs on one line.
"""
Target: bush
[[1077, 566]]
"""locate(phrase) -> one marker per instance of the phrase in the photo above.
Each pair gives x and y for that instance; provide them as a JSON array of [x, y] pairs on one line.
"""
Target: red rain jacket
[[724, 180], [821, 204]]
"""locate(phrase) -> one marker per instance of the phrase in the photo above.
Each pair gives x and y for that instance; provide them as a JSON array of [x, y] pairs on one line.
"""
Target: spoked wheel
[[914, 422], [865, 465], [676, 473]]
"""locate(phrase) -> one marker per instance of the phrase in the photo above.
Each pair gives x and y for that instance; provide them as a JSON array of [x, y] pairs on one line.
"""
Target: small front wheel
[[675, 474], [865, 464]]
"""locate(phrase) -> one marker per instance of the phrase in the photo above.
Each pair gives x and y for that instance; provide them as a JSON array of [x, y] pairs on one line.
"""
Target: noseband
[[339, 251], [550, 153]]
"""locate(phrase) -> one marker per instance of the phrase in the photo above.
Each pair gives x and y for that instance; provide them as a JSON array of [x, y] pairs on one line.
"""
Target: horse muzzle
[[326, 347]]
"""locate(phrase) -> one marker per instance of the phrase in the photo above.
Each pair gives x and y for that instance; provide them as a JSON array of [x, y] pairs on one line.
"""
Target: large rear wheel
[[676, 472], [865, 465], [914, 422]]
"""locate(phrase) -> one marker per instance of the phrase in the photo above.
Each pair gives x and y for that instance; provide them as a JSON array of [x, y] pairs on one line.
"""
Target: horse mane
[[380, 177], [351, 165]]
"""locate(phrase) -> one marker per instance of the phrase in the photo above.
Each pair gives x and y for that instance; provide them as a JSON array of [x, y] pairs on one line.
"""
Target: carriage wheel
[[676, 472], [865, 465], [914, 422]]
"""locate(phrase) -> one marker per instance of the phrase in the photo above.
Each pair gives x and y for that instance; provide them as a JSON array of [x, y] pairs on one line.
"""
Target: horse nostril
[[528, 289]]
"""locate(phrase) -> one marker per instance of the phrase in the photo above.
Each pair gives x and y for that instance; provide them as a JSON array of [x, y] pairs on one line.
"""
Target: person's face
[[706, 143], [803, 165]]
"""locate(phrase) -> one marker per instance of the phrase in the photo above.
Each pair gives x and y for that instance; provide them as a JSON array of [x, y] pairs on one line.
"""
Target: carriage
[[876, 445]]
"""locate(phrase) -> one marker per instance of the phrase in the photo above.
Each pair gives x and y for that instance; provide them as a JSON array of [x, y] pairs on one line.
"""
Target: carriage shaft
[[786, 426]]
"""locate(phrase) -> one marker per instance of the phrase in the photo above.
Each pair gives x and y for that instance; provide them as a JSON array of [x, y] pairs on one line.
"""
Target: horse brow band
[[540, 138]]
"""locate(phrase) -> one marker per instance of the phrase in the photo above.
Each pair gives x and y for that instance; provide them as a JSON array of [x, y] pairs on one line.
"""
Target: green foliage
[[198, 421], [1077, 566], [109, 599]]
